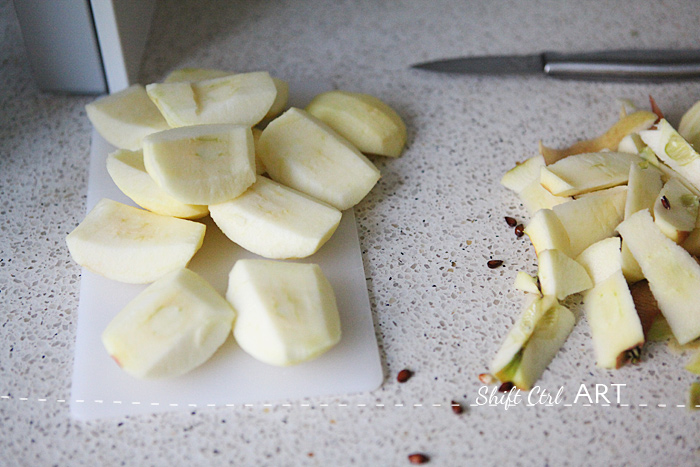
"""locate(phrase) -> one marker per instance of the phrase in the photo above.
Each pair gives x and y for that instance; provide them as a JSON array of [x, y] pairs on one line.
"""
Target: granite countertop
[[426, 230]]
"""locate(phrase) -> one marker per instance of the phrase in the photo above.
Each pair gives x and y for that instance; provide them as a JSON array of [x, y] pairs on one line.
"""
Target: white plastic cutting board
[[100, 389]]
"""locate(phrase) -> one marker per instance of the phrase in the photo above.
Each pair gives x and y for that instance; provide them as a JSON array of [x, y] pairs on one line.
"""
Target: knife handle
[[624, 65]]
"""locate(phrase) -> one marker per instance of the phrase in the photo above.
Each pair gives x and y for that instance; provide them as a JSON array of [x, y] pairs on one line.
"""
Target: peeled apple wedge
[[172, 327], [125, 117], [303, 153], [583, 173], [201, 164], [129, 174], [592, 217], [532, 343], [676, 210], [128, 244], [674, 151], [277, 222], [673, 275], [535, 197], [561, 276], [364, 120], [287, 312], [610, 310], [200, 74], [242, 99]]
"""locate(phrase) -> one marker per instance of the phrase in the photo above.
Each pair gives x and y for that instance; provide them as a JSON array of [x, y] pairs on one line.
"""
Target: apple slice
[[526, 283], [201, 74], [172, 327], [676, 210], [523, 174], [583, 173], [592, 217], [674, 151], [242, 99], [131, 245], [201, 164], [643, 187], [632, 123], [673, 275], [533, 342], [287, 312], [616, 329], [560, 275], [630, 268], [546, 232], [303, 153], [277, 222], [125, 117], [535, 197], [694, 364], [364, 120], [129, 174], [259, 166]]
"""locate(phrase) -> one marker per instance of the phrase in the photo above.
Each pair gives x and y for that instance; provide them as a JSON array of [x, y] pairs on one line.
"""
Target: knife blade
[[617, 65]]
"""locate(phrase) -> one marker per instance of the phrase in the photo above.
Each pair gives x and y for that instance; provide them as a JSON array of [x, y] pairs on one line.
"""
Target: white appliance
[[85, 46]]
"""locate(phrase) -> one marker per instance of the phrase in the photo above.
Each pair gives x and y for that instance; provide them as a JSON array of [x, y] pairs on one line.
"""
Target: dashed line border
[[339, 404]]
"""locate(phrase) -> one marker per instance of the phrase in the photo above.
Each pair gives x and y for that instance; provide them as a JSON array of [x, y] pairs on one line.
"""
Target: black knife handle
[[627, 65]]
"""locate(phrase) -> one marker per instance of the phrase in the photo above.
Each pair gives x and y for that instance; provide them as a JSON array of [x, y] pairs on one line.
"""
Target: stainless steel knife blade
[[623, 65]]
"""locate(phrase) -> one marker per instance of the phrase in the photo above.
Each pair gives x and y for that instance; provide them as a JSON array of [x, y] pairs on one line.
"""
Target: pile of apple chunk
[[615, 219], [274, 180]]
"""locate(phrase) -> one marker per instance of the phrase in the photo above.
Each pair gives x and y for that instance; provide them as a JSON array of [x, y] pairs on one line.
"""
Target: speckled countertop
[[427, 230]]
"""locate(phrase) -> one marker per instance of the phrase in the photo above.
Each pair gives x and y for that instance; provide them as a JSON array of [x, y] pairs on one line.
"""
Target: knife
[[618, 65]]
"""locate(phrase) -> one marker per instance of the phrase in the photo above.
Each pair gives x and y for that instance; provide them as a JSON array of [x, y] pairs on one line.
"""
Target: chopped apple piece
[[201, 164], [630, 268], [287, 312], [560, 275], [610, 310], [129, 174], [274, 221], [674, 151], [676, 210], [523, 174], [535, 197], [364, 120], [632, 123], [602, 259], [301, 152], [643, 187], [526, 283], [583, 173], [592, 217], [546, 232], [125, 117], [533, 342], [242, 99], [689, 126], [131, 245], [673, 275], [172, 327]]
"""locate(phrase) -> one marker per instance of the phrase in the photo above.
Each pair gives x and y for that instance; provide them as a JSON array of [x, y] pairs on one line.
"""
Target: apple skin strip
[[632, 123]]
